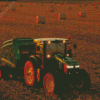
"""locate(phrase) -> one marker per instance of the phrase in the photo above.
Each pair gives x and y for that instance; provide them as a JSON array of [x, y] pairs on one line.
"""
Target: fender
[[37, 67], [32, 56]]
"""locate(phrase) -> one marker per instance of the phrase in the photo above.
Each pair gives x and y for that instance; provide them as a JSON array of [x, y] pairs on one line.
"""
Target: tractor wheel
[[49, 83], [82, 81], [29, 73]]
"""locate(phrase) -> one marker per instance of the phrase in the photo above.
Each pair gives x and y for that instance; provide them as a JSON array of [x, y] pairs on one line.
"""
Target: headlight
[[49, 42], [70, 66], [48, 56], [67, 55], [77, 66], [64, 41]]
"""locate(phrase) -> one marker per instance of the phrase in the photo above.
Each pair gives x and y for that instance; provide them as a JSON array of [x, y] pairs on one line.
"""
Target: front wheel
[[49, 83], [29, 73], [82, 81]]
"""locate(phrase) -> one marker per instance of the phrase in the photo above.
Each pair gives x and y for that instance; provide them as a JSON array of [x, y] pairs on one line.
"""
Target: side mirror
[[74, 46]]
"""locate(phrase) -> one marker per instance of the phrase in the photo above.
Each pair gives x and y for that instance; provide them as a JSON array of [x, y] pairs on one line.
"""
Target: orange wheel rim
[[49, 83], [29, 73]]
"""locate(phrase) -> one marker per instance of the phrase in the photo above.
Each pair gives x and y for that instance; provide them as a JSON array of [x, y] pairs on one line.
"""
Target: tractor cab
[[50, 46]]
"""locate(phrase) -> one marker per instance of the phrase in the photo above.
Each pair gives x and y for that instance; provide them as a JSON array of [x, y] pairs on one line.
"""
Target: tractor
[[43, 62], [59, 69]]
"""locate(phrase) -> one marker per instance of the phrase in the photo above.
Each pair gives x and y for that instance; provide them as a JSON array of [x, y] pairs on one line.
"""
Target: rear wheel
[[29, 73]]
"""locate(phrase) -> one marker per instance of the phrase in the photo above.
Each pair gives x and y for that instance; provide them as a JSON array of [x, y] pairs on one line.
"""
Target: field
[[85, 32]]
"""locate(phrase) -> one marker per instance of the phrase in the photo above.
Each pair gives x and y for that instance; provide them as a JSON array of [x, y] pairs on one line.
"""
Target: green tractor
[[58, 68], [43, 62]]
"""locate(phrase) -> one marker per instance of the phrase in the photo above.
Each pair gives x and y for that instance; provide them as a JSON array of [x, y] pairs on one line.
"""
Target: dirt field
[[85, 32]]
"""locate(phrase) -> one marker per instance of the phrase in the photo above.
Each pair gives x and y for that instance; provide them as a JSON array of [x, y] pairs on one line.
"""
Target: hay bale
[[85, 4], [93, 4], [62, 16], [82, 14], [69, 8], [61, 3], [48, 8], [13, 8], [54, 4], [80, 5], [21, 5], [96, 7], [37, 3], [51, 9], [2, 5], [51, 5], [40, 19]]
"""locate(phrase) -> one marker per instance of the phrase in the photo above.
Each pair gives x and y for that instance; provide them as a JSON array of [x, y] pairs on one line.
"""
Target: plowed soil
[[85, 32]]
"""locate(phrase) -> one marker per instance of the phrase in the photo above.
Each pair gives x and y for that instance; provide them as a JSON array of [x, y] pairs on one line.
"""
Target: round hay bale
[[69, 8], [80, 5], [13, 8], [48, 8], [51, 9], [40, 19], [95, 4], [2, 5], [51, 6], [82, 14], [85, 4], [54, 4], [61, 3], [62, 16], [21, 5]]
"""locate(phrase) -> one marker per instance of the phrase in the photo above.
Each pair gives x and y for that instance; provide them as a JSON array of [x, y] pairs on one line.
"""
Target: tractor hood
[[66, 60]]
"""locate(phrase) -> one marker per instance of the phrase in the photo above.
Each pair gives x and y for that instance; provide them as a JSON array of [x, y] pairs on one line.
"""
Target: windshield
[[55, 47]]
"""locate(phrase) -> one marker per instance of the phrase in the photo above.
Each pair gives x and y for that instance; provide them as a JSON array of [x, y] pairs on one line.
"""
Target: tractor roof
[[17, 39], [49, 39]]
